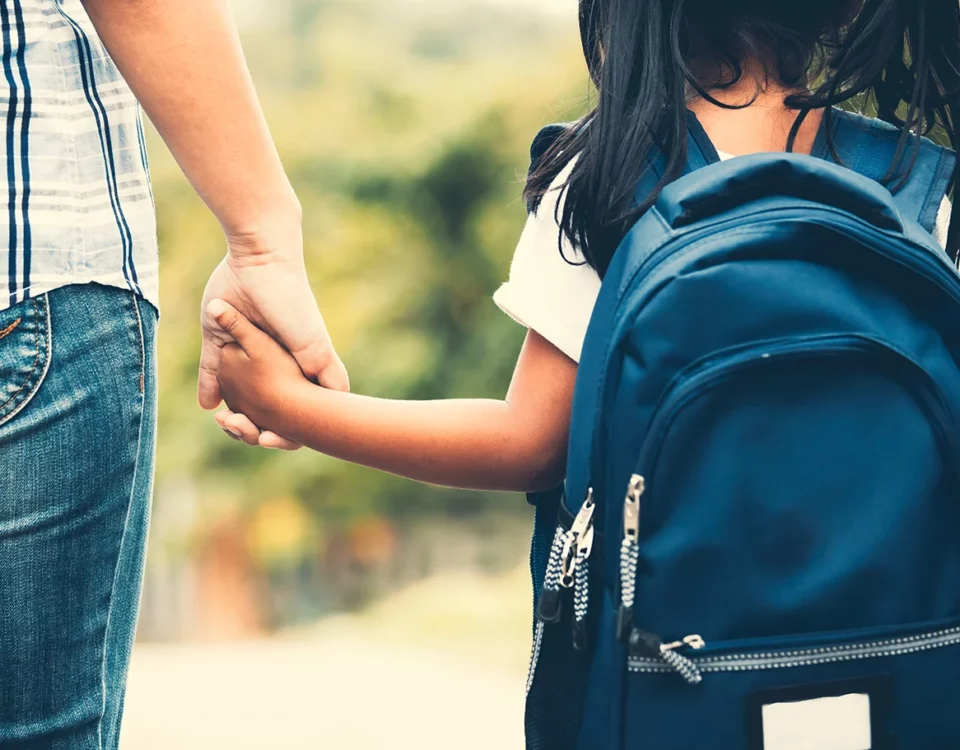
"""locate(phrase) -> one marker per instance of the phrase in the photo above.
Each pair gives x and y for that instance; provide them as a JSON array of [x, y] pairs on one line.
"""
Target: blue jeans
[[77, 437]]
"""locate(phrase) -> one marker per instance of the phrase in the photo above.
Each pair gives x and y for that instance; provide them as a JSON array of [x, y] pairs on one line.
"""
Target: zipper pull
[[629, 555], [579, 541], [585, 546], [695, 642], [550, 604], [643, 643], [569, 549], [581, 589], [549, 607]]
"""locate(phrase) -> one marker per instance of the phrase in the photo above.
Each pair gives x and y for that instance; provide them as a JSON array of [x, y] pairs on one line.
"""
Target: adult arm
[[183, 60]]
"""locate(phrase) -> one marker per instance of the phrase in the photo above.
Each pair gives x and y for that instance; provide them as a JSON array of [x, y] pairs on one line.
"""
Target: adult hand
[[270, 288], [184, 61]]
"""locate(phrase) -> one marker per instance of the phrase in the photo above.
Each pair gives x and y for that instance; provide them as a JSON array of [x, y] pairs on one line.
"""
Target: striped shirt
[[75, 199]]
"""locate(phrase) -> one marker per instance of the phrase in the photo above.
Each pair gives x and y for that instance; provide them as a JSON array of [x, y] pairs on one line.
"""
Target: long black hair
[[899, 57]]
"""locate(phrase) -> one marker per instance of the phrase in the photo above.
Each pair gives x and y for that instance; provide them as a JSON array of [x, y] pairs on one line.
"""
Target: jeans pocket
[[24, 354]]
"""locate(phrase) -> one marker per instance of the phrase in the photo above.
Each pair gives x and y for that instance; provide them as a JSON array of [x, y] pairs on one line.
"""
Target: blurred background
[[293, 601]]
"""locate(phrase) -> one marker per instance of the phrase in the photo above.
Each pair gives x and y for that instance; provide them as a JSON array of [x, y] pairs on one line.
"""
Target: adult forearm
[[183, 60], [473, 444]]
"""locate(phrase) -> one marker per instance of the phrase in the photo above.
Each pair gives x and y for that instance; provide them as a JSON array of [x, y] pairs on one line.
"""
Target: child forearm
[[473, 444], [516, 444]]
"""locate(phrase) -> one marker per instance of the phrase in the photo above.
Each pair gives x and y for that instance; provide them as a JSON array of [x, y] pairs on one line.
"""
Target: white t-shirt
[[549, 294]]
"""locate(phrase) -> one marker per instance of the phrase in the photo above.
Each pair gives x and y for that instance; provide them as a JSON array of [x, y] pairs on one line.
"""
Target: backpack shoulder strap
[[868, 147], [700, 153]]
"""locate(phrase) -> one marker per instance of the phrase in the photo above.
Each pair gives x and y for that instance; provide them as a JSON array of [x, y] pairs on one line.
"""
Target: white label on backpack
[[840, 723]]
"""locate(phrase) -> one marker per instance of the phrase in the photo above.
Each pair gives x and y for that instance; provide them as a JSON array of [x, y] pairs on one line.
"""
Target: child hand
[[240, 428], [257, 378]]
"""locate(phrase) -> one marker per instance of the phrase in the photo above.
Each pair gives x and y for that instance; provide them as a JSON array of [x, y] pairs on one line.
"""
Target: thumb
[[319, 361], [232, 322]]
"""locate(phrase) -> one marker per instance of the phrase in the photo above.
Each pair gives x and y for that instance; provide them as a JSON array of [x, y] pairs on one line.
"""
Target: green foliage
[[404, 127]]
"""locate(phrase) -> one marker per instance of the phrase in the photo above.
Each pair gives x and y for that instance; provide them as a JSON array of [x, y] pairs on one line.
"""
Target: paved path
[[340, 687]]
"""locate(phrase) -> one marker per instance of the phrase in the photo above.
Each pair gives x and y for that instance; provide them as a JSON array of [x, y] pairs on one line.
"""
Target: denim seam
[[33, 368], [143, 346], [126, 521], [41, 349], [10, 328]]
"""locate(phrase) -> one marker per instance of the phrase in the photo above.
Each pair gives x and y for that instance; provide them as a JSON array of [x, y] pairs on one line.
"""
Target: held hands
[[269, 288], [256, 376], [273, 292]]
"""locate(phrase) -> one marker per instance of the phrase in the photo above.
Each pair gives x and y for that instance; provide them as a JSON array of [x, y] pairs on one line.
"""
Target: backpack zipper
[[578, 543], [629, 555], [581, 601], [549, 603], [567, 568], [575, 567], [666, 654], [747, 661]]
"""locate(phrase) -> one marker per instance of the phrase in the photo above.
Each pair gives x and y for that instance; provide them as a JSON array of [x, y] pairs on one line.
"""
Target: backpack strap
[[868, 146], [700, 150], [700, 153], [864, 144]]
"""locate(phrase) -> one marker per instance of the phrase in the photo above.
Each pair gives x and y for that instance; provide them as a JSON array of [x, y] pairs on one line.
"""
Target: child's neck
[[764, 125]]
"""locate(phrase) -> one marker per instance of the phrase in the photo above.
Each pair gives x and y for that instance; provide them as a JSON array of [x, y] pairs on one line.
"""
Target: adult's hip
[[77, 438]]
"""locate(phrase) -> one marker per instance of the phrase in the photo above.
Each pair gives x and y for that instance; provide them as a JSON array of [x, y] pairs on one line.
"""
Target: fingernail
[[215, 307], [235, 433]]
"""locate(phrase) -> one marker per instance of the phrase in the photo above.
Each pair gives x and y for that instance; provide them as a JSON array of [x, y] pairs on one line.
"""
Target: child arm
[[517, 444]]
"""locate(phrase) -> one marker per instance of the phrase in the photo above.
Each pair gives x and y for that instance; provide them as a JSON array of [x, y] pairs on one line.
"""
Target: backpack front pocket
[[721, 517], [874, 689], [731, 547]]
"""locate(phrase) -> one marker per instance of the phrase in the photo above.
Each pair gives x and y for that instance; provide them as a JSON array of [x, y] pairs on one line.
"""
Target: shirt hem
[[149, 292]]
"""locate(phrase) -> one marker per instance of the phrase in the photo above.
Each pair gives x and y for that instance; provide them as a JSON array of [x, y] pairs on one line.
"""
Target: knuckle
[[228, 320], [322, 357]]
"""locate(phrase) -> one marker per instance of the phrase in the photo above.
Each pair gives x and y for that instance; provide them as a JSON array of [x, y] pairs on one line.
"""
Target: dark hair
[[901, 56]]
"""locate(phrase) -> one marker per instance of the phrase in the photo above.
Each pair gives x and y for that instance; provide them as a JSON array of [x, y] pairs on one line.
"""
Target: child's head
[[647, 57]]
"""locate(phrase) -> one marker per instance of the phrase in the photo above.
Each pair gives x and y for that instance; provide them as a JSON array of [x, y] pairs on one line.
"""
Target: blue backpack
[[758, 542]]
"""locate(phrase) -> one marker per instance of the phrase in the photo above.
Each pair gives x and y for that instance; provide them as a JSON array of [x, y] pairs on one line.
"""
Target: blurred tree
[[407, 164]]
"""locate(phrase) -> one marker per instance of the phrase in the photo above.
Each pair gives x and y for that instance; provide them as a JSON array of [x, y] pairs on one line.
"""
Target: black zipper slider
[[550, 603], [579, 630], [550, 606]]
